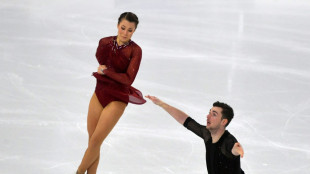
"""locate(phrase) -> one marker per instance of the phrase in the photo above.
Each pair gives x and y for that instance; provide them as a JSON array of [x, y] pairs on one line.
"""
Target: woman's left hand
[[101, 68]]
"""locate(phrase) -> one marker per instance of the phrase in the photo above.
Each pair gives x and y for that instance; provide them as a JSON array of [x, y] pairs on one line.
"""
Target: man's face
[[214, 119]]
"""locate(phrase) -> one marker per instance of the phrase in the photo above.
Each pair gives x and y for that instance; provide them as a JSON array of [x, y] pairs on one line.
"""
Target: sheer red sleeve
[[129, 76], [102, 50]]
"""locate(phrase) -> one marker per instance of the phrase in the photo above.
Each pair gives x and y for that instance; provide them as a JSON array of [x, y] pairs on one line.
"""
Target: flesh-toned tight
[[100, 122]]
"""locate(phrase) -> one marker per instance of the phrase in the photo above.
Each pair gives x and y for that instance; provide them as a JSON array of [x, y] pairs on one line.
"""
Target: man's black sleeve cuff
[[188, 119]]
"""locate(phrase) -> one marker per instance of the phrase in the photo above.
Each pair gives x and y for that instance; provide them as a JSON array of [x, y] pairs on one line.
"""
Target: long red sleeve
[[129, 76]]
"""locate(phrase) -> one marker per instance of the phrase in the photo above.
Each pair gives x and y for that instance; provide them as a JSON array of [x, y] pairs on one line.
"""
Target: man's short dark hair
[[227, 113]]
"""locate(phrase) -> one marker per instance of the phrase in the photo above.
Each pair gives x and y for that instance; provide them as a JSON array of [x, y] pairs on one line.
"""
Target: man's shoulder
[[227, 143], [190, 121], [194, 126], [229, 136], [228, 139]]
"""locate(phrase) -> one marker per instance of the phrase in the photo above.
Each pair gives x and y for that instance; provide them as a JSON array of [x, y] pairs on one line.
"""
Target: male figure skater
[[222, 149]]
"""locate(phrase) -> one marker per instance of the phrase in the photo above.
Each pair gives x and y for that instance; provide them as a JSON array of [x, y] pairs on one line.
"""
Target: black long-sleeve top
[[219, 158]]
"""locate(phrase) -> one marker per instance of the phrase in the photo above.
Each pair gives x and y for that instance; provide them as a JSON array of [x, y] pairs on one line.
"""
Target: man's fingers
[[148, 96]]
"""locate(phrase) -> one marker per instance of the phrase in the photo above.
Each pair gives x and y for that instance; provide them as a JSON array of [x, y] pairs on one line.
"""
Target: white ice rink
[[252, 54]]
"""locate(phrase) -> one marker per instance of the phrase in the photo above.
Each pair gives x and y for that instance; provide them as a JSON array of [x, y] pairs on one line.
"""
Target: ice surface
[[252, 54]]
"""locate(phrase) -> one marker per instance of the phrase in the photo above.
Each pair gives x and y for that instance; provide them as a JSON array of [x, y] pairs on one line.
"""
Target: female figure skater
[[119, 60]]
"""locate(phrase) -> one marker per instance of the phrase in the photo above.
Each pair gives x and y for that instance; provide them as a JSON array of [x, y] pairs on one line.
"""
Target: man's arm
[[177, 114], [237, 150]]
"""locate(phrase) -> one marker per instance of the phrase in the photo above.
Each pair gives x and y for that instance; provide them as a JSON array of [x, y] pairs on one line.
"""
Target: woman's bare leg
[[94, 112], [108, 118]]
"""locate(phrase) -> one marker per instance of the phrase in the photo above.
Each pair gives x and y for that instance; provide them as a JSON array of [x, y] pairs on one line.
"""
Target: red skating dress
[[122, 67]]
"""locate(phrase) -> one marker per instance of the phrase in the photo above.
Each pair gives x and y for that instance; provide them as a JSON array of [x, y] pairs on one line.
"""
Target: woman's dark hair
[[227, 113], [129, 16]]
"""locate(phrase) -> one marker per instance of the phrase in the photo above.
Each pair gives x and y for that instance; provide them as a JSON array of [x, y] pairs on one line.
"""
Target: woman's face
[[125, 31]]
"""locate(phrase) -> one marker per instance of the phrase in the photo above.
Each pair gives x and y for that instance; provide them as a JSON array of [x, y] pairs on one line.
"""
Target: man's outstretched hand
[[155, 100], [237, 150]]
